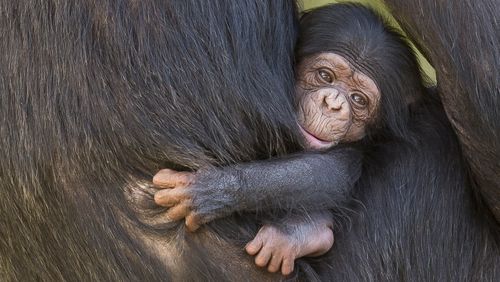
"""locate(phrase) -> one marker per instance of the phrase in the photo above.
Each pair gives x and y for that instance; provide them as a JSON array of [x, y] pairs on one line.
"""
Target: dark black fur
[[95, 96], [461, 39]]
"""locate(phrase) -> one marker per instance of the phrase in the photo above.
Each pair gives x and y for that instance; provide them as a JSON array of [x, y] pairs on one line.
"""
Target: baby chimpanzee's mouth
[[315, 142]]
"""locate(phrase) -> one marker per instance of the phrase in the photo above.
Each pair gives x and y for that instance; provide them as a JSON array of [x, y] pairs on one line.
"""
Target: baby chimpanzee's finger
[[167, 178], [170, 197], [178, 212], [254, 246], [275, 263], [287, 266], [193, 222], [262, 259]]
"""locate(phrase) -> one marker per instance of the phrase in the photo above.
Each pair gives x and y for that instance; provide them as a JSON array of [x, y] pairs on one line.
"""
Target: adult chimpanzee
[[97, 95], [338, 100]]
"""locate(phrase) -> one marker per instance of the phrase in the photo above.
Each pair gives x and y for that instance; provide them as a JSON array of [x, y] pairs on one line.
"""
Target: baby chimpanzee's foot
[[277, 248]]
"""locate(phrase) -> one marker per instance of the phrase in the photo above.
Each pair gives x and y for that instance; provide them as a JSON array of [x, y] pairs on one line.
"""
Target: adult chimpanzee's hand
[[199, 197]]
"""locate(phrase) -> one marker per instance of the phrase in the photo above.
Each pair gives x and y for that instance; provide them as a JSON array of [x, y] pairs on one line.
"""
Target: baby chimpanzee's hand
[[199, 197], [176, 195], [278, 247]]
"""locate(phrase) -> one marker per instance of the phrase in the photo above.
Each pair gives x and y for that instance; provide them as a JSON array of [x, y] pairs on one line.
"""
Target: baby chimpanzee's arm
[[311, 180]]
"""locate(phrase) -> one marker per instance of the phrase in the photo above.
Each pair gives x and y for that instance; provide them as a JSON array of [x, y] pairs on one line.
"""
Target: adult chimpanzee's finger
[[170, 197], [167, 178], [178, 212], [287, 266]]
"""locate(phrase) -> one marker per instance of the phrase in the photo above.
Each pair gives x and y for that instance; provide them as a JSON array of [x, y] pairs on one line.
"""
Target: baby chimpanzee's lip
[[314, 141]]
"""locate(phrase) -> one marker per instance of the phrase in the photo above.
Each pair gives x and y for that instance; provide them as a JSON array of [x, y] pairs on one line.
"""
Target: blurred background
[[427, 69]]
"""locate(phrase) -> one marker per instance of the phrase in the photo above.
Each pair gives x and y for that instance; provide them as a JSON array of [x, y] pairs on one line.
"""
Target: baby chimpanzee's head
[[355, 76]]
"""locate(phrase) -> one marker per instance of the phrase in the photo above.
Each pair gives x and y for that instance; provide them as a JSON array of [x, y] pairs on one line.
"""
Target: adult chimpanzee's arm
[[314, 181], [461, 39]]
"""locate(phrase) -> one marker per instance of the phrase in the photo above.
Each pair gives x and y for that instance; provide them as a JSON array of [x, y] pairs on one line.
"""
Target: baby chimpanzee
[[336, 102], [343, 95]]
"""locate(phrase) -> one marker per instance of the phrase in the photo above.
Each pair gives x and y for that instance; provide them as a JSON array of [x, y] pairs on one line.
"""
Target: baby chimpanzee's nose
[[333, 100]]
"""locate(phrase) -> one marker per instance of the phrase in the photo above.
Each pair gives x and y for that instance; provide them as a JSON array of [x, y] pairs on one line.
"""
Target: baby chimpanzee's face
[[336, 102]]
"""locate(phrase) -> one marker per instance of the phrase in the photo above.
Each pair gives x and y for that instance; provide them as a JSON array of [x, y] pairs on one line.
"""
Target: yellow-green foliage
[[426, 67]]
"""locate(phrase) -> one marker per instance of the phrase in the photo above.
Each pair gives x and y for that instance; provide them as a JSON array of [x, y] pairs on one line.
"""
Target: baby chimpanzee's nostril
[[333, 101]]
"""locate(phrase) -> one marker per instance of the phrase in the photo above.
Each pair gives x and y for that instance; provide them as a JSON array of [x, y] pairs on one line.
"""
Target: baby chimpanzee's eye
[[359, 99], [325, 75]]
